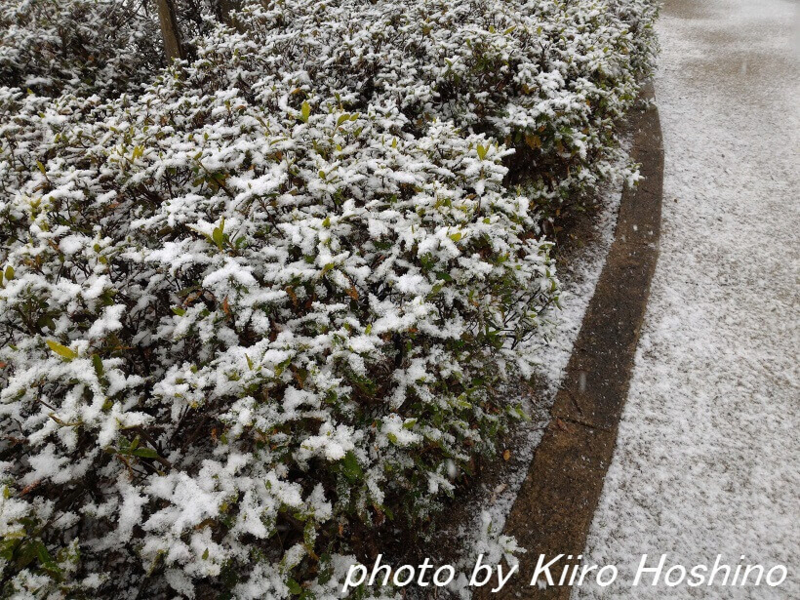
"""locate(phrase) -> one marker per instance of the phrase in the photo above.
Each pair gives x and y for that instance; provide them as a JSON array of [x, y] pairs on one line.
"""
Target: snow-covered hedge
[[262, 306], [88, 46]]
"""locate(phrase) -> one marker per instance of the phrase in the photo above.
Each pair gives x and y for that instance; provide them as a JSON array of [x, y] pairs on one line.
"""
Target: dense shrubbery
[[260, 303], [86, 46]]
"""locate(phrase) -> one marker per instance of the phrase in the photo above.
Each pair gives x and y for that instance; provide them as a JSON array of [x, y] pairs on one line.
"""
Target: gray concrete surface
[[708, 454]]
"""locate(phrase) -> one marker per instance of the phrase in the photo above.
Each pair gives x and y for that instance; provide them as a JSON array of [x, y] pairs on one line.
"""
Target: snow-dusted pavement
[[708, 456]]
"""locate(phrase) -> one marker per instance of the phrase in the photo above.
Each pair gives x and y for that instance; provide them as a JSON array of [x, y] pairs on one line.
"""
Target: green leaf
[[27, 553], [9, 273], [456, 236], [179, 311], [145, 453], [218, 235], [436, 289], [47, 562], [350, 467], [482, 150], [41, 168], [444, 276], [98, 365], [326, 572], [294, 587], [62, 350], [305, 112]]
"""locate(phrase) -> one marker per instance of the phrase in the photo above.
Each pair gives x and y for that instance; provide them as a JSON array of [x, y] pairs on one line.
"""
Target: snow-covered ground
[[708, 456]]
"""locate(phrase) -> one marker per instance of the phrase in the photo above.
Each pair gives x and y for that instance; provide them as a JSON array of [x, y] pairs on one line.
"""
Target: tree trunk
[[169, 29]]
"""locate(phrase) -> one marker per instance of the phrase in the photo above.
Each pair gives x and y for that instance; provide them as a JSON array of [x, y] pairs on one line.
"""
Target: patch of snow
[[708, 449]]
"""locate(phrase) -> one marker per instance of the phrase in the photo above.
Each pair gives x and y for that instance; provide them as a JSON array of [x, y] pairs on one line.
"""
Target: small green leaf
[[62, 350], [41, 168], [145, 453], [218, 235], [456, 236], [305, 112], [350, 467], [26, 554], [47, 562], [482, 150], [294, 587], [444, 276], [9, 273], [179, 311], [98, 365], [205, 554], [326, 572]]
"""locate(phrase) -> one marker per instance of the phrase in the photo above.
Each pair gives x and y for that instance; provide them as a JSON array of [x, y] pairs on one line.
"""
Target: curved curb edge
[[556, 503]]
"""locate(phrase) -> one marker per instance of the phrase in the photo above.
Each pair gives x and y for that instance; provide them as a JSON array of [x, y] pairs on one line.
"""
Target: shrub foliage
[[258, 304]]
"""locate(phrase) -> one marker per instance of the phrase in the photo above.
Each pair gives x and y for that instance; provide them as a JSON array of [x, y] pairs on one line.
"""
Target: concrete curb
[[554, 509]]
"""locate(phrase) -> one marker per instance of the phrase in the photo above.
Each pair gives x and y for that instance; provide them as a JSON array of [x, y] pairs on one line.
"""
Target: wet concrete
[[708, 446]]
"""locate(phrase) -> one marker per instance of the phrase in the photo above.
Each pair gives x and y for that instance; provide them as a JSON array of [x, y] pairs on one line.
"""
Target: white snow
[[707, 460]]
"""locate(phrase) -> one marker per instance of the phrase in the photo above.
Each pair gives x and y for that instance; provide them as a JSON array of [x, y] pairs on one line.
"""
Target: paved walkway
[[708, 454]]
